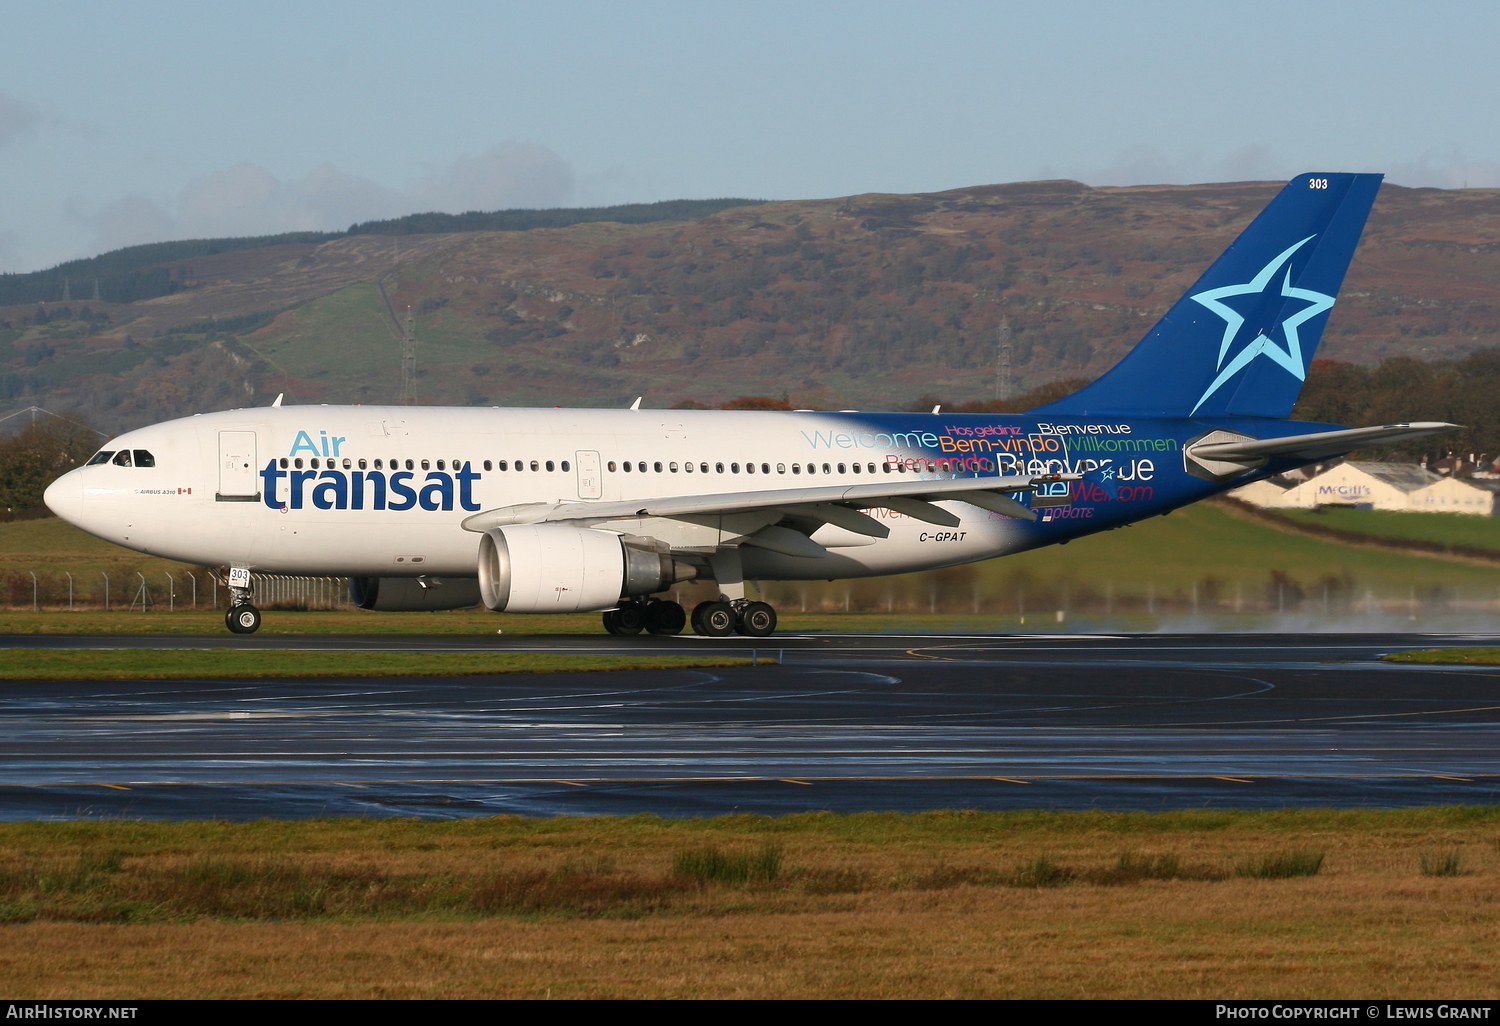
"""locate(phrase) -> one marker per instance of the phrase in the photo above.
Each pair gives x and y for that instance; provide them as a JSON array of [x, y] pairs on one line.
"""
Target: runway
[[857, 722]]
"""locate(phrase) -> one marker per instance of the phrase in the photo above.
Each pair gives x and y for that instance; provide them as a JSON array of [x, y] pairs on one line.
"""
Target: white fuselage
[[326, 490]]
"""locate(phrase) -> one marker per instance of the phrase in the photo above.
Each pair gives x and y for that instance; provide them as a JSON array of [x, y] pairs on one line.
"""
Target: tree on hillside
[[38, 455]]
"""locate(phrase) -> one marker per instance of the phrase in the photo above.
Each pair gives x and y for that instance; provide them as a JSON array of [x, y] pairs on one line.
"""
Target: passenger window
[[734, 468], [627, 466], [362, 464], [689, 467], [825, 469], [347, 464], [502, 465], [425, 465], [611, 466], [122, 458], [870, 467], [440, 466], [641, 467], [765, 468], [704, 467], [796, 468], [103, 457], [856, 467], [672, 467], [887, 468], [565, 466], [780, 468], [719, 468], [144, 458], [313, 463], [535, 466], [487, 465], [657, 466], [550, 466], [410, 467], [749, 468]]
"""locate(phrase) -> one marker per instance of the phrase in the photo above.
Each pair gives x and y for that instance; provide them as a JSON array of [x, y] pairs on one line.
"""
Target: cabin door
[[238, 479], [590, 480]]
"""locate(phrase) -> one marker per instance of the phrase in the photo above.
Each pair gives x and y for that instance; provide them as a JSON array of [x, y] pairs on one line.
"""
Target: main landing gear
[[654, 616], [718, 619]]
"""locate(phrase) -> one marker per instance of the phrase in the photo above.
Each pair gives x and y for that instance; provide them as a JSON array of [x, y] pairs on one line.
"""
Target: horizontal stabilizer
[[1317, 445]]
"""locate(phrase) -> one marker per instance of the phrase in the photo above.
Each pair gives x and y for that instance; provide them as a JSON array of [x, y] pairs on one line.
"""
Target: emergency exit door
[[237, 477]]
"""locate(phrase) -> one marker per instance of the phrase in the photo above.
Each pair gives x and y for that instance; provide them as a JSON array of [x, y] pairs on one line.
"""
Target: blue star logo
[[1289, 358]]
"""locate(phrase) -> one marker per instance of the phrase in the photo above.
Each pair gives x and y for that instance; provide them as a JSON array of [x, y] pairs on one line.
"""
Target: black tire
[[757, 620], [716, 619], [696, 620], [242, 619], [631, 617], [623, 621], [665, 618]]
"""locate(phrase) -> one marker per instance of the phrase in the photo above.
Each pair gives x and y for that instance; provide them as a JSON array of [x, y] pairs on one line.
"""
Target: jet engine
[[413, 594], [553, 568]]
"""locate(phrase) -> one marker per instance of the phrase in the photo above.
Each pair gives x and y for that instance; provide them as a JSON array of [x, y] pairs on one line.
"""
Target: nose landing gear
[[242, 617]]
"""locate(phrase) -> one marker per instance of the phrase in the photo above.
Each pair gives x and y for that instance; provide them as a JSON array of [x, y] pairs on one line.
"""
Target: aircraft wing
[[1318, 445], [835, 504]]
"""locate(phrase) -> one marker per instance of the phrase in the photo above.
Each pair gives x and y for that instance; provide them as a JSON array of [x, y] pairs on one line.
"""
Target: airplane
[[567, 510]]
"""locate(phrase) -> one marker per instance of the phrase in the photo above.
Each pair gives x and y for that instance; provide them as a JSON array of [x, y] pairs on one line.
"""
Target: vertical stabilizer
[[1240, 341]]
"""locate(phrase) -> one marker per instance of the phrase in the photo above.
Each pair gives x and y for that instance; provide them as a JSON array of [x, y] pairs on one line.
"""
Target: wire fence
[[161, 591], [956, 590]]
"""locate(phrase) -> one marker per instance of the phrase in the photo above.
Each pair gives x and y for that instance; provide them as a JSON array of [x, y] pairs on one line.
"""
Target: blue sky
[[132, 123]]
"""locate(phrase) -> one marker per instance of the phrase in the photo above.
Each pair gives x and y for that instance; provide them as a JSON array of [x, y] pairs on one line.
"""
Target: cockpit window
[[144, 458], [122, 458], [101, 457]]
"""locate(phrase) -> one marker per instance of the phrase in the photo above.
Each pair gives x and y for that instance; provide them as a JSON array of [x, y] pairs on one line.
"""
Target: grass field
[[1448, 528], [1461, 656], [128, 664], [944, 904]]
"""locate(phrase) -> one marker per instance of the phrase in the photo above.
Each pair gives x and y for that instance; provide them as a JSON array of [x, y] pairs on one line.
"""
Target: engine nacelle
[[413, 594], [553, 568]]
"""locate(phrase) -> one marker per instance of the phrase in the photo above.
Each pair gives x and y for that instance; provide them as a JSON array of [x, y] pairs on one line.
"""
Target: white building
[[1387, 486]]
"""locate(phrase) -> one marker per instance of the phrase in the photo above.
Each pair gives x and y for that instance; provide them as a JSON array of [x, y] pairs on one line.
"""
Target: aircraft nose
[[65, 497]]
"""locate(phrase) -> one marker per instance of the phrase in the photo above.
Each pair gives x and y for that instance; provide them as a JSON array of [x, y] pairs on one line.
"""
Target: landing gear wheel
[[714, 619], [242, 619], [624, 620], [665, 618], [757, 620]]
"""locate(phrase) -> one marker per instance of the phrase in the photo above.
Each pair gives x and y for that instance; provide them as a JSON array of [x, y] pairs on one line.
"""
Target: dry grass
[[939, 904]]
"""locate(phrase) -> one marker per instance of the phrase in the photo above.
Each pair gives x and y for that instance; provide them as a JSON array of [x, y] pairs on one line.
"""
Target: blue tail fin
[[1239, 342]]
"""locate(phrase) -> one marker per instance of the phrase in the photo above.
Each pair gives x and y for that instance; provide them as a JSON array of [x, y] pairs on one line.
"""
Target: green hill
[[864, 302]]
